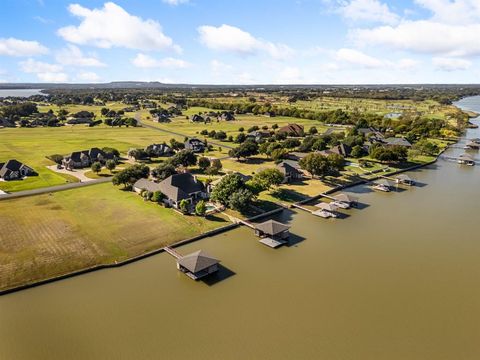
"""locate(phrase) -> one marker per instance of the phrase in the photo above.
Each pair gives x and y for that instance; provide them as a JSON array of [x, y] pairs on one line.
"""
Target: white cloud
[[367, 10], [424, 36], [112, 26], [175, 2], [290, 75], [88, 76], [219, 67], [233, 39], [351, 57], [53, 77], [16, 47], [449, 64], [145, 61], [45, 72], [72, 55], [356, 57], [453, 12]]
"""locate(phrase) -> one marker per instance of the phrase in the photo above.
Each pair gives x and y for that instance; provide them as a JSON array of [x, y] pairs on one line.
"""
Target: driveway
[[78, 173]]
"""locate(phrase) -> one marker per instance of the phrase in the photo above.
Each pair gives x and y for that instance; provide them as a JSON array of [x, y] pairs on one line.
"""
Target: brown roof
[[197, 261], [292, 129], [345, 198], [272, 227]]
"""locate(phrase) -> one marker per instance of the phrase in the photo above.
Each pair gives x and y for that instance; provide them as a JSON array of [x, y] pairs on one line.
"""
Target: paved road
[[137, 117], [51, 189]]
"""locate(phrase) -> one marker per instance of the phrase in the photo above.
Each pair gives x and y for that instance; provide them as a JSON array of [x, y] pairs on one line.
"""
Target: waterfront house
[[195, 145], [342, 149], [180, 187], [272, 229], [383, 185], [197, 265], [466, 159], [290, 170], [15, 170], [145, 185], [292, 130], [397, 141], [405, 180]]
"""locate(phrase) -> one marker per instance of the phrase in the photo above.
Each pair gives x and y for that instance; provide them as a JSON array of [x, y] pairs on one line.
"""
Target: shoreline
[[212, 232]]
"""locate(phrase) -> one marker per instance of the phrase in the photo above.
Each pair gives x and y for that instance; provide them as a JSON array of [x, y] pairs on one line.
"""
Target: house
[[292, 130], [393, 115], [197, 118], [296, 156], [180, 187], [195, 145], [156, 150], [14, 170], [371, 133], [145, 185], [85, 158], [197, 265], [396, 141], [272, 229], [258, 135], [290, 170], [6, 123], [77, 121], [161, 118], [227, 116], [342, 149]]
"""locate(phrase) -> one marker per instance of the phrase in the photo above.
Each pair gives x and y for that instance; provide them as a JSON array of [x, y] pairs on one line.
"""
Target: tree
[[215, 167], [201, 208], [240, 200], [163, 171], [291, 143], [244, 150], [96, 167], [176, 145], [240, 138], [110, 150], [313, 130], [315, 164], [226, 187], [137, 154], [267, 178], [185, 158], [110, 165], [203, 163], [220, 135], [426, 147], [131, 174], [158, 196], [183, 206], [357, 151]]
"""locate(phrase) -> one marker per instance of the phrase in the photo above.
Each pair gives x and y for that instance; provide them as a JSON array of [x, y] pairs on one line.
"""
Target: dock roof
[[326, 206], [197, 261], [272, 227], [346, 198], [466, 157], [403, 177]]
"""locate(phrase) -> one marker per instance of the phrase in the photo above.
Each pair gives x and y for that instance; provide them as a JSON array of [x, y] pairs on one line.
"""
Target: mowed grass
[[32, 145], [49, 235]]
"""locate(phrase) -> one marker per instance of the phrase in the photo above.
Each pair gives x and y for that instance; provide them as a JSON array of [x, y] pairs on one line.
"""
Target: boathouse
[[273, 229], [405, 180], [466, 159], [345, 200], [197, 265]]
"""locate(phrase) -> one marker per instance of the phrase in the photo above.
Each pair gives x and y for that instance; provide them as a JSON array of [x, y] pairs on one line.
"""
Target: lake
[[396, 279], [19, 92]]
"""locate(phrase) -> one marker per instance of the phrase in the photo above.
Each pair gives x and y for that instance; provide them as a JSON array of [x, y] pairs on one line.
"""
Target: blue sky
[[241, 41]]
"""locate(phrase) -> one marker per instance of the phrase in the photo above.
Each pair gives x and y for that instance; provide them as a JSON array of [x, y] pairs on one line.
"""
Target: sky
[[241, 41]]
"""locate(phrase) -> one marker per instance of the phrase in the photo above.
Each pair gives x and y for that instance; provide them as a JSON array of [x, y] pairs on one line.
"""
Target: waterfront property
[[272, 233], [326, 210], [382, 185], [345, 201], [180, 187], [15, 170], [398, 141], [290, 170], [405, 180], [466, 159], [197, 265]]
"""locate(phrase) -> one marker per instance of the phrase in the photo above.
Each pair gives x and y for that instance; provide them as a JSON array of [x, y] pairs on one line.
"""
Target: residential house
[[156, 150], [145, 184], [296, 155], [292, 130], [397, 141], [161, 118], [195, 145], [227, 116], [85, 158], [290, 170], [258, 135], [342, 149], [197, 118], [14, 170], [180, 187]]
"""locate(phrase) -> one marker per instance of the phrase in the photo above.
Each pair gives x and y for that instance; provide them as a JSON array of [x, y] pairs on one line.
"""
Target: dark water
[[397, 279]]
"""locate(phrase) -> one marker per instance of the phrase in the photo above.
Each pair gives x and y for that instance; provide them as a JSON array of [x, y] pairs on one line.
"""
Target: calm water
[[395, 280], [19, 92]]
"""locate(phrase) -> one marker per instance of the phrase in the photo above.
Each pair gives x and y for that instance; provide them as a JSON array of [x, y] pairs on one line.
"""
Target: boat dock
[[172, 252]]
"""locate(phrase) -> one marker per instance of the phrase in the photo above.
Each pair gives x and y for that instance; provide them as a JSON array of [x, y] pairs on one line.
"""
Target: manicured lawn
[[248, 167], [30, 146], [49, 235]]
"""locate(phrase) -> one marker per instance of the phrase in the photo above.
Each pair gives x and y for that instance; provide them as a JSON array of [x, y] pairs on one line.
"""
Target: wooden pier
[[172, 252]]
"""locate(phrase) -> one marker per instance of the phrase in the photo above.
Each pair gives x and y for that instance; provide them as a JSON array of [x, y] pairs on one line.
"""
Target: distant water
[[471, 103], [19, 92]]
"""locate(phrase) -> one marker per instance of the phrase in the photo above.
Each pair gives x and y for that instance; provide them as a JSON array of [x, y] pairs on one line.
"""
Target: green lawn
[[49, 235], [31, 145]]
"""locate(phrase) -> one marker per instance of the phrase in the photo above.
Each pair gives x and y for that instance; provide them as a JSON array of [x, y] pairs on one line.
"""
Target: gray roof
[[326, 206], [180, 186], [466, 157], [12, 165], [288, 167], [384, 182], [272, 227], [146, 184], [404, 177], [398, 141], [197, 261], [345, 198]]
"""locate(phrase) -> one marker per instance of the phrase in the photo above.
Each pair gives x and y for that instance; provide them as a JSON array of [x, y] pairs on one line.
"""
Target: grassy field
[[72, 108], [49, 235], [31, 145]]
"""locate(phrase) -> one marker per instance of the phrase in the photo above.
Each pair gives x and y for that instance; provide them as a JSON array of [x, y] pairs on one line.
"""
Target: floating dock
[[272, 242]]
